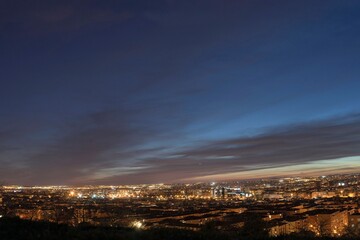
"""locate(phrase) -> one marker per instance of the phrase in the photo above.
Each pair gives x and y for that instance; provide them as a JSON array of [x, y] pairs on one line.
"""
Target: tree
[[352, 232], [303, 234], [62, 215], [255, 228], [322, 227]]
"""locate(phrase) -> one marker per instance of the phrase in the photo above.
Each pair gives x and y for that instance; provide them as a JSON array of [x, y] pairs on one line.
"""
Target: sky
[[134, 91]]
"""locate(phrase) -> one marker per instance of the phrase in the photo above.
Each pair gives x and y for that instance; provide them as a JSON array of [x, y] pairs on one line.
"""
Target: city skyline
[[128, 92]]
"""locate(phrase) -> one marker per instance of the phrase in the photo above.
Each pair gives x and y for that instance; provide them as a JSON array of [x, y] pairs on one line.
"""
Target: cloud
[[202, 67], [10, 150], [97, 144], [280, 147], [111, 147], [84, 146]]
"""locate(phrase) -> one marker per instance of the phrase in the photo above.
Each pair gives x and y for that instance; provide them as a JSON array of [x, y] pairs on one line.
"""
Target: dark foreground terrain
[[14, 228]]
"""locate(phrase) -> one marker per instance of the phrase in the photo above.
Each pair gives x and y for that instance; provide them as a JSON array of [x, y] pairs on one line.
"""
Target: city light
[[137, 224], [332, 199]]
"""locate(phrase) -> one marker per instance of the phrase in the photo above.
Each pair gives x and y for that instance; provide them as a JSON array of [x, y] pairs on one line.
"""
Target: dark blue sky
[[112, 92]]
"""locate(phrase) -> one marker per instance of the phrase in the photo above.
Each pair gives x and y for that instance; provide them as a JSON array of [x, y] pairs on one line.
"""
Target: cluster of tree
[[14, 229]]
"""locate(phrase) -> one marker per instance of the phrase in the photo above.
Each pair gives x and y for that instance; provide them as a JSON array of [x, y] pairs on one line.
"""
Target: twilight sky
[[128, 91]]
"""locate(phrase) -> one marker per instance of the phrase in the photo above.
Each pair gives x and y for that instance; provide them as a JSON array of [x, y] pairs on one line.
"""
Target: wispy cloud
[[108, 147], [178, 74], [281, 147], [89, 144]]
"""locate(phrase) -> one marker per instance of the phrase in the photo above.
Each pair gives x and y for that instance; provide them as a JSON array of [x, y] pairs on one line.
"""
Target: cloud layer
[[136, 92], [285, 146], [108, 147]]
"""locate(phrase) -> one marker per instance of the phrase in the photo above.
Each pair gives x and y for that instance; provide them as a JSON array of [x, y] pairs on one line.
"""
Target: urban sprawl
[[324, 205]]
